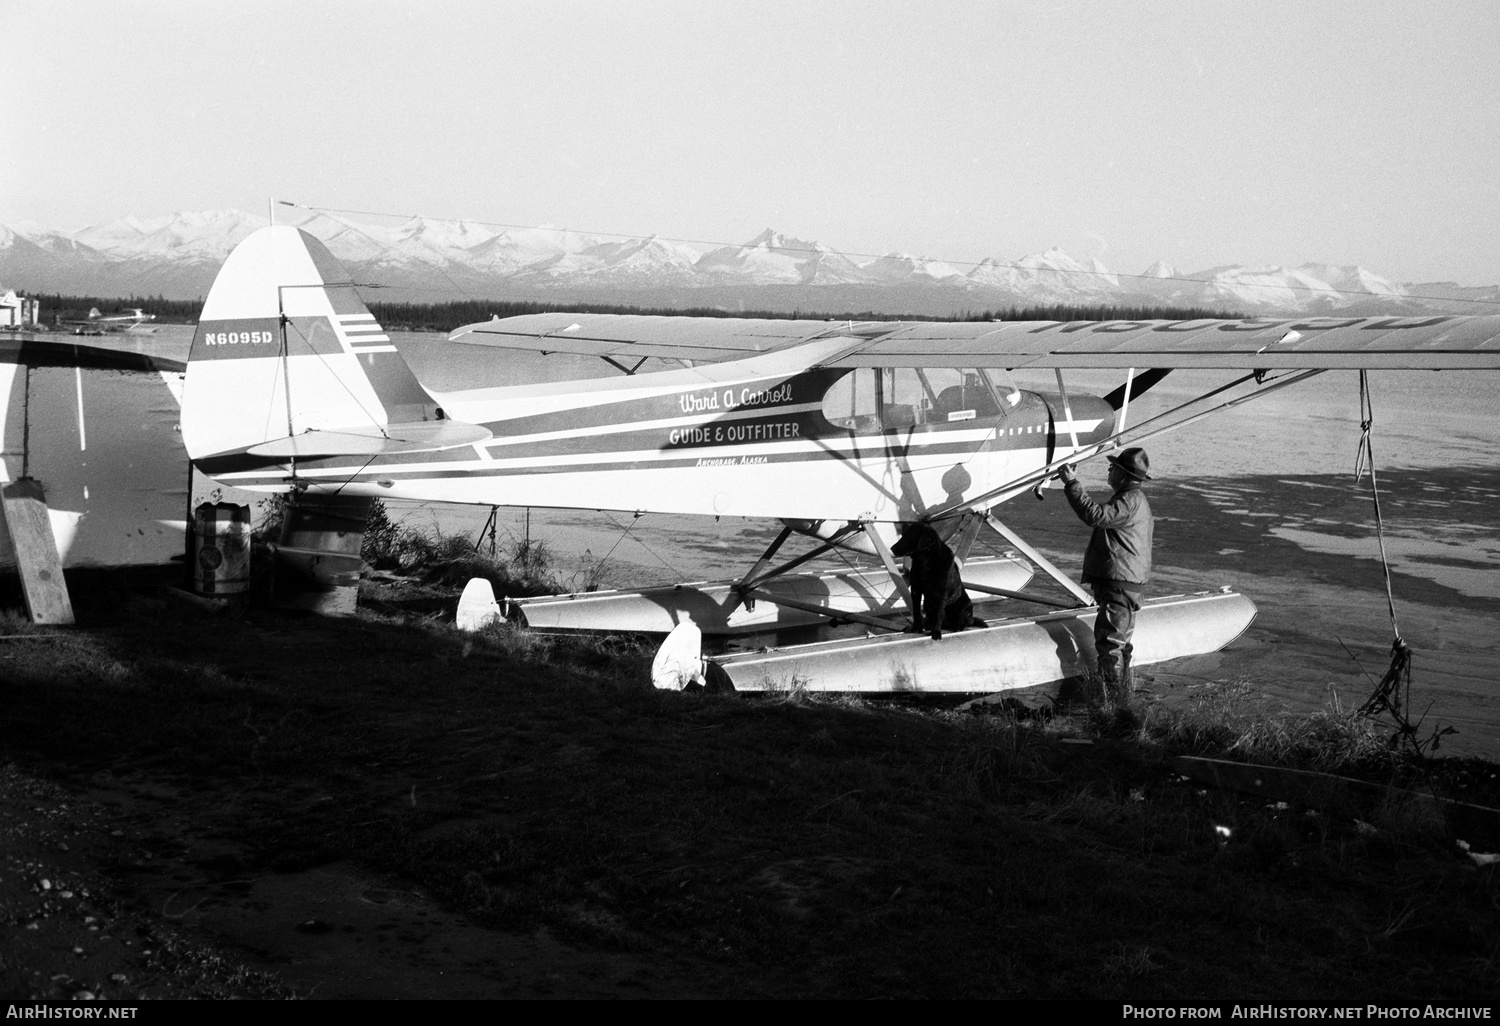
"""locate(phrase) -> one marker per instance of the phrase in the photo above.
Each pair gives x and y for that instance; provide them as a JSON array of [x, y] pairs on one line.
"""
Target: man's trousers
[[1114, 626]]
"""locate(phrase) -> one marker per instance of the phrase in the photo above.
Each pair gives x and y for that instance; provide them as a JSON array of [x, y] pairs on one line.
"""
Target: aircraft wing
[[704, 339], [37, 353], [1326, 343]]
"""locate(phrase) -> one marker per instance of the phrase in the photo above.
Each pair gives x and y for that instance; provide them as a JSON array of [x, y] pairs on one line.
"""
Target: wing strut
[[628, 371], [1042, 562], [1067, 410], [963, 539], [995, 496]]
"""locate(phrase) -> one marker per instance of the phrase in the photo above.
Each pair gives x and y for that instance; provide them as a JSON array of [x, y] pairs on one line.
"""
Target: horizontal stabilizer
[[419, 436]]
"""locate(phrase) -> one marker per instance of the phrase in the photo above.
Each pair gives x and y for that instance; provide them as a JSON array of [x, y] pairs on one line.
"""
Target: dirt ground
[[72, 931], [127, 870], [106, 894]]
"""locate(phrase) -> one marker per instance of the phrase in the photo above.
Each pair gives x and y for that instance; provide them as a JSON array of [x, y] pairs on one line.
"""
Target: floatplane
[[134, 322], [841, 431]]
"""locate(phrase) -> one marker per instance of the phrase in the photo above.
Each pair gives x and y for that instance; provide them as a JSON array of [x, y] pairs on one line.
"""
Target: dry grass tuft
[[1129, 963], [994, 753], [1234, 719], [524, 568]]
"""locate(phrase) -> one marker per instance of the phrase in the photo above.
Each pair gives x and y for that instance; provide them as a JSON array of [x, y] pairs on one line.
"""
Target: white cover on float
[[679, 661], [477, 608]]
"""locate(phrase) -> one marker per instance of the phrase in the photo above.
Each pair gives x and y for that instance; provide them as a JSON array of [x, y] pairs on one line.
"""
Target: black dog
[[937, 588]]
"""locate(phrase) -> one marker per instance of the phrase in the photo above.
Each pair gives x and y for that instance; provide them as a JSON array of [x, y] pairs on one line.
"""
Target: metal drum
[[221, 549]]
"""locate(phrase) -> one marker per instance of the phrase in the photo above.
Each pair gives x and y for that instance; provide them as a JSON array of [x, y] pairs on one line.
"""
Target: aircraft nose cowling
[[1093, 419]]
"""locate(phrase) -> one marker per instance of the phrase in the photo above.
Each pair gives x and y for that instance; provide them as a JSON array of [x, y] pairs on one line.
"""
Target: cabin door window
[[874, 399]]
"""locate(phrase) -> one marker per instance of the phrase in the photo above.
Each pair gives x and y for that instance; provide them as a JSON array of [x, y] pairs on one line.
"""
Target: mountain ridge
[[430, 260]]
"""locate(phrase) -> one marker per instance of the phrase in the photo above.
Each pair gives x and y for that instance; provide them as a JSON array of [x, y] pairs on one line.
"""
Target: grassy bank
[[745, 846]]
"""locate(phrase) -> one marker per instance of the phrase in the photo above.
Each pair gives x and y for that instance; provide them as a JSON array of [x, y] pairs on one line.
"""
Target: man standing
[[1117, 563]]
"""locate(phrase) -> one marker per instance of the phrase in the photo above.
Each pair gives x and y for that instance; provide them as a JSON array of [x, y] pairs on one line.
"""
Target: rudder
[[287, 358]]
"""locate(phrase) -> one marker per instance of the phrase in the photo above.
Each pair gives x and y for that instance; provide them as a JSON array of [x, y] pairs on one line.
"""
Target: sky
[[1200, 133]]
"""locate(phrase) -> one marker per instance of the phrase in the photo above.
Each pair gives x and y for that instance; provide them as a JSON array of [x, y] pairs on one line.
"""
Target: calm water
[[1260, 497]]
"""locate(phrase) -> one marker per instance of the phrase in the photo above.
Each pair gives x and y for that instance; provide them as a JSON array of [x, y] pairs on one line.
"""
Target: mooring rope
[[1366, 460], [1393, 692]]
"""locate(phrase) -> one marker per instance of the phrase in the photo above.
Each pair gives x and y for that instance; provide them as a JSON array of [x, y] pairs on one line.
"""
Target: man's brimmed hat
[[1134, 462]]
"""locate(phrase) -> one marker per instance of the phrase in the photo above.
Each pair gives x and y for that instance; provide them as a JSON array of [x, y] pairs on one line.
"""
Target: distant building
[[18, 311]]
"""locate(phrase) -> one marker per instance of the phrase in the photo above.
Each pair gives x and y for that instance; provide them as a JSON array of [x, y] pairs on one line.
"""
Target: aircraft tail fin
[[288, 362]]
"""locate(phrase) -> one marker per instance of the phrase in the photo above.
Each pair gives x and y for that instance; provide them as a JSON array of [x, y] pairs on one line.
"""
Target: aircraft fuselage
[[733, 439]]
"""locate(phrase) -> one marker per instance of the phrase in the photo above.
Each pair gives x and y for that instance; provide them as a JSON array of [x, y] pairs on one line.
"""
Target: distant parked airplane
[[97, 324]]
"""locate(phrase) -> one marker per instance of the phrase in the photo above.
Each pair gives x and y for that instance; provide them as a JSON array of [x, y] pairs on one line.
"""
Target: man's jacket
[[1120, 547]]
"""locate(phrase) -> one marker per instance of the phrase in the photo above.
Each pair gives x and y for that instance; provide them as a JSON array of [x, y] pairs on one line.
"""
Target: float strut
[[891, 566], [742, 595], [792, 564], [833, 614]]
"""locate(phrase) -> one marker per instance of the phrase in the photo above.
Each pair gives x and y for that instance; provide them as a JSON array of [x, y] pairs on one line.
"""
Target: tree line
[[447, 316], [55, 307]]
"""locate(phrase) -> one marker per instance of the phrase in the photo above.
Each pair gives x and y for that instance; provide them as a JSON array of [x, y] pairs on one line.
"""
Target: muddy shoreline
[[1241, 532]]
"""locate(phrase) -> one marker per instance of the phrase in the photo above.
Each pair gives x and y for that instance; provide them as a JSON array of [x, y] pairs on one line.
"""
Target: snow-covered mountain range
[[426, 260]]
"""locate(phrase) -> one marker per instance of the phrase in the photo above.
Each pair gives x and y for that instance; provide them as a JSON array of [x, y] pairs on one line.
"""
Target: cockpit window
[[870, 399]]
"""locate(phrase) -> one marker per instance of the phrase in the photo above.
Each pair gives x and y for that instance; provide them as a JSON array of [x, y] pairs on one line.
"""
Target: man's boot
[[1109, 678]]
